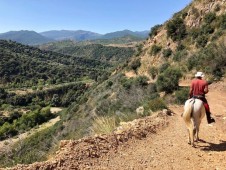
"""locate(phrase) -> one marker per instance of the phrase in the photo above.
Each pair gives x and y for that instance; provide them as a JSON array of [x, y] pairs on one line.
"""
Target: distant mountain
[[81, 35], [25, 37], [117, 34], [34, 38], [78, 35]]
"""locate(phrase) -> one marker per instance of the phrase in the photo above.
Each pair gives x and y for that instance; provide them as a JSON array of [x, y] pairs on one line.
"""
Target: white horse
[[194, 111]]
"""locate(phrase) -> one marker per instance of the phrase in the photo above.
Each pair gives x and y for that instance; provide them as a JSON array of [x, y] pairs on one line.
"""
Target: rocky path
[[168, 149], [163, 148]]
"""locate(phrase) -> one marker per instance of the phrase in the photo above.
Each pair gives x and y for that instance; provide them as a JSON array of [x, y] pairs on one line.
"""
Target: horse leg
[[197, 133], [189, 137]]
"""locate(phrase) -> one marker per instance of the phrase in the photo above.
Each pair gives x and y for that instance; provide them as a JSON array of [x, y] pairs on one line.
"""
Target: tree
[[176, 29], [55, 100], [168, 81]]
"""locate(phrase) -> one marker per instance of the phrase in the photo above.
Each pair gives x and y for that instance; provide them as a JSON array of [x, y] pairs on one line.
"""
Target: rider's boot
[[209, 118]]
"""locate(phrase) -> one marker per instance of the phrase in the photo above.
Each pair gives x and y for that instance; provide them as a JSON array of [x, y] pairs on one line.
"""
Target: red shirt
[[198, 87]]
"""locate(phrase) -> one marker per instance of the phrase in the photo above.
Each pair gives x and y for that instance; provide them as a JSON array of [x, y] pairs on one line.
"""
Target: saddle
[[199, 97]]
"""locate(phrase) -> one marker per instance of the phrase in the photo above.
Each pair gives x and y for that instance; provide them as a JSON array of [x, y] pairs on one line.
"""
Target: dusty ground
[[164, 148]]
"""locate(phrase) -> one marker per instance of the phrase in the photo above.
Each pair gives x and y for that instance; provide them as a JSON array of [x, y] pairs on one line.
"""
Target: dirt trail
[[168, 149], [164, 148]]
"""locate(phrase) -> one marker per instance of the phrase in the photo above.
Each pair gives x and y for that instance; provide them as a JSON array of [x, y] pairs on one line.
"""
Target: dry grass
[[103, 125]]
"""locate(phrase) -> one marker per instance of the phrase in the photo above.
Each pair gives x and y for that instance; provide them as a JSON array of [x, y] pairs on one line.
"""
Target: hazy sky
[[101, 16]]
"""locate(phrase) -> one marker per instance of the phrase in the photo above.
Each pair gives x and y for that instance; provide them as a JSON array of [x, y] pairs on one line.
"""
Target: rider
[[198, 89]]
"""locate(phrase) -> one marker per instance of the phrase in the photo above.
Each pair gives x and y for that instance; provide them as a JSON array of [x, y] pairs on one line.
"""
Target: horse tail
[[188, 109]]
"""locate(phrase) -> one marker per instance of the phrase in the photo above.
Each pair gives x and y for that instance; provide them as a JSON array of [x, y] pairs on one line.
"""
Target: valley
[[121, 96]]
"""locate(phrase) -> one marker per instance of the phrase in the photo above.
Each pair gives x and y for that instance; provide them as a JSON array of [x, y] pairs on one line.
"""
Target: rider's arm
[[206, 90], [191, 91]]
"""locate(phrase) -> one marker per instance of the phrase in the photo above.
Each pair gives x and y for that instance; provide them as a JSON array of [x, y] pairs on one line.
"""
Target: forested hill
[[112, 55], [21, 64]]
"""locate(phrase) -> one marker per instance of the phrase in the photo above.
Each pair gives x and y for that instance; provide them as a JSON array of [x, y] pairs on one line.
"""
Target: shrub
[[155, 49], [127, 83], [109, 84], [201, 41], [194, 32], [181, 95], [138, 49], [154, 105], [167, 52], [207, 29], [135, 64], [222, 21], [141, 81], [153, 72], [154, 30], [176, 29], [163, 67], [209, 18], [180, 47], [168, 80], [179, 55]]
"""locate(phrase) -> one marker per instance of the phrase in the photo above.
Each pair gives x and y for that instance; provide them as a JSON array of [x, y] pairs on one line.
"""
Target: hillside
[[157, 142], [193, 40], [26, 65], [108, 54]]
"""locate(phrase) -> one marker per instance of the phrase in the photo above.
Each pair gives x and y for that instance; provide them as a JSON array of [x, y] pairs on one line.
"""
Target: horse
[[194, 111]]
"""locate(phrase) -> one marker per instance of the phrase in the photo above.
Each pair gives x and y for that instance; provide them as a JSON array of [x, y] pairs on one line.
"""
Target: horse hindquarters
[[189, 121], [199, 113], [194, 111]]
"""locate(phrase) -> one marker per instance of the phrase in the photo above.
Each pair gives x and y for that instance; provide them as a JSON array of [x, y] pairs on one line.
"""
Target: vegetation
[[155, 49], [154, 30], [176, 29], [60, 79], [168, 80], [97, 52], [24, 66]]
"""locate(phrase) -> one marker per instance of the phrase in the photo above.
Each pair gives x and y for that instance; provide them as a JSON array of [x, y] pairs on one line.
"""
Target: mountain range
[[34, 38]]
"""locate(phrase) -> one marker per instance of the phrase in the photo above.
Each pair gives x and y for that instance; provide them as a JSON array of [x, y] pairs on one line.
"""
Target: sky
[[100, 16]]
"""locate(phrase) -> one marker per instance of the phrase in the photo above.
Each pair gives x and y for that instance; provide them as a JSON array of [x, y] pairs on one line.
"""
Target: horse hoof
[[189, 143]]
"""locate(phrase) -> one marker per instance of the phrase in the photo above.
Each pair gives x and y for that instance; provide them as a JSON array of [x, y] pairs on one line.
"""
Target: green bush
[[201, 41], [180, 47], [153, 72], [166, 52], [163, 67], [154, 105], [176, 29], [222, 21], [141, 81], [182, 95], [154, 30], [209, 18], [211, 59], [168, 80], [207, 29], [155, 49], [135, 64], [179, 55], [127, 83]]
